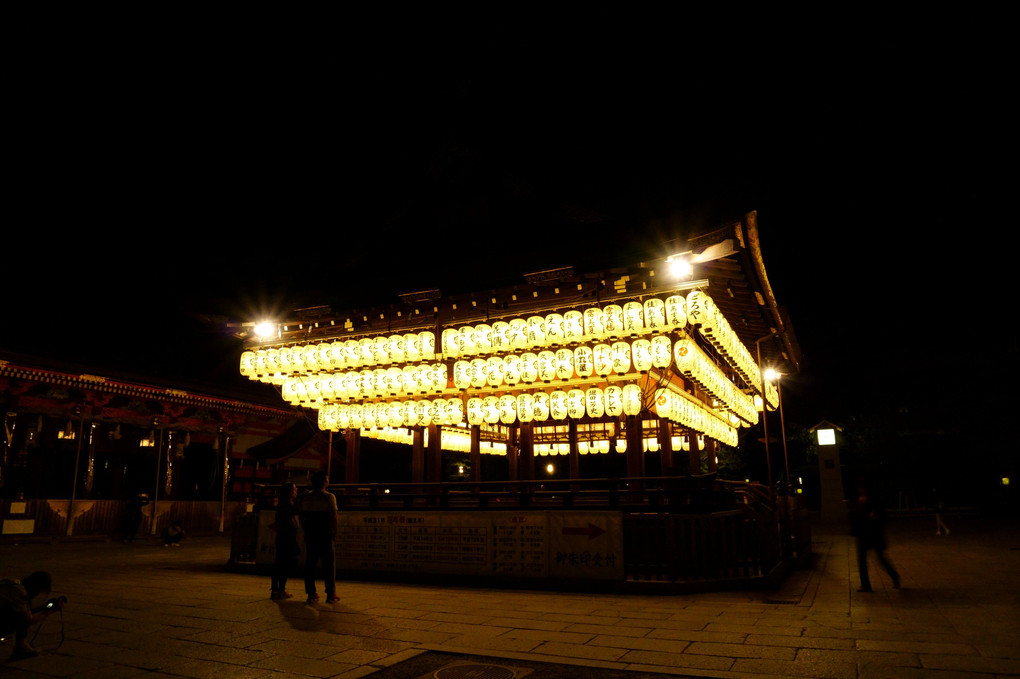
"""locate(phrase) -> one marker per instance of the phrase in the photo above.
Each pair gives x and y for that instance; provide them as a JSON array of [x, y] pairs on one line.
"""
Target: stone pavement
[[144, 610]]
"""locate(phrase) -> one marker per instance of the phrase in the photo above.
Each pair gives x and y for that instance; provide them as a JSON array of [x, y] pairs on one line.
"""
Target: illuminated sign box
[[826, 437]]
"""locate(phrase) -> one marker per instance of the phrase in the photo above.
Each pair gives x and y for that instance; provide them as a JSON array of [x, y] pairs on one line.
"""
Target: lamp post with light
[[775, 376]]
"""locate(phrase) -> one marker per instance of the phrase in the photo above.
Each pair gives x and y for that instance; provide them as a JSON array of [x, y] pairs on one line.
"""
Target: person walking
[[286, 526], [318, 515], [867, 520]]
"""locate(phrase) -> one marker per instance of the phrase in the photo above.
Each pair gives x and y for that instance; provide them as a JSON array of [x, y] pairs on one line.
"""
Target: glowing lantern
[[495, 369], [409, 413], [423, 412], [631, 399], [395, 413], [507, 409], [407, 379], [536, 332], [529, 367], [355, 416], [573, 326], [352, 353], [540, 408], [438, 377], [620, 354], [288, 390], [546, 365], [662, 351], [462, 375], [456, 410], [395, 348], [338, 385], [343, 416], [427, 345], [379, 382], [518, 333], [525, 407], [633, 317], [412, 347], [483, 338], [366, 347], [324, 355], [655, 313], [554, 329], [641, 353], [500, 337], [352, 385], [466, 340], [594, 402], [686, 354], [248, 364], [583, 361], [337, 358], [451, 348], [382, 349], [440, 411], [575, 404], [614, 400], [512, 369], [309, 357], [368, 416], [663, 403], [558, 405], [676, 312], [325, 385], [564, 364], [594, 323], [602, 359], [613, 320], [697, 307], [490, 409], [478, 376]]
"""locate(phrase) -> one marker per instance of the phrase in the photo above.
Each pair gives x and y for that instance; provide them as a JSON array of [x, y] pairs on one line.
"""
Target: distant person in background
[[287, 548], [318, 512], [133, 516], [867, 524], [173, 534], [940, 509]]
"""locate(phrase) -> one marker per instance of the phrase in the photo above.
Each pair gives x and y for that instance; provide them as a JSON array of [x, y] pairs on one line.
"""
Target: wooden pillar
[[526, 464], [635, 454], [476, 452], [434, 464], [353, 463], [695, 458], [665, 438], [710, 453], [417, 456], [513, 453], [573, 457]]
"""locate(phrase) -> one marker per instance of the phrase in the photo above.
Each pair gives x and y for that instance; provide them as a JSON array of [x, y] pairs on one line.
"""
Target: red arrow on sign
[[592, 531]]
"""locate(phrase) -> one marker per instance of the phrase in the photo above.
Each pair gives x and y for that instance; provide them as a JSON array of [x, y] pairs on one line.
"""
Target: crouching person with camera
[[17, 613]]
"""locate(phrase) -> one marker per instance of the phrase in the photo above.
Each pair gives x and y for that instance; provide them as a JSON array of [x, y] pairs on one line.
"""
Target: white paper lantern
[[686, 354], [518, 333], [620, 353], [352, 385], [395, 348], [613, 322], [633, 318], [395, 413], [367, 347], [614, 400], [525, 407], [326, 392], [440, 411], [664, 406], [455, 411], [540, 407], [324, 355], [379, 382], [558, 405], [466, 340], [337, 358], [412, 347], [355, 416], [343, 416], [338, 386], [564, 364], [423, 413], [507, 409], [575, 404], [288, 390], [697, 307], [594, 402], [450, 345], [462, 374], [475, 412], [483, 338], [352, 353], [500, 337], [573, 326], [438, 377], [495, 369], [382, 349], [427, 345], [594, 323], [248, 364], [478, 376], [631, 399], [490, 409], [546, 365], [410, 414], [368, 416], [554, 335], [641, 354], [512, 369], [529, 367], [662, 351], [602, 359], [536, 332], [676, 312], [584, 364], [655, 313]]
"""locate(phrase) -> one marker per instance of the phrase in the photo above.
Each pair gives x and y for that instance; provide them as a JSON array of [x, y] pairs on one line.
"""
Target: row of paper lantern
[[713, 326], [685, 412], [692, 362], [533, 332]]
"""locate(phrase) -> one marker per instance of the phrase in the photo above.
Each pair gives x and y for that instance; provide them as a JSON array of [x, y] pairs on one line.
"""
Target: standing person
[[17, 614], [287, 548], [318, 512], [133, 516], [867, 520], [940, 508]]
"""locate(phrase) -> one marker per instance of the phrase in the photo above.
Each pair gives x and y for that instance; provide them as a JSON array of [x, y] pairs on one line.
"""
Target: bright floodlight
[[771, 374], [679, 267], [264, 329]]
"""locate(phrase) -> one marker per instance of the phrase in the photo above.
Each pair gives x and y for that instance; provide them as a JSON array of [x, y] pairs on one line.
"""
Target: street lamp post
[[765, 419]]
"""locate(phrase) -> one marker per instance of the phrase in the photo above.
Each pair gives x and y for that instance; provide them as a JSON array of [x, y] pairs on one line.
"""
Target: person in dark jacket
[[318, 512], [867, 521], [287, 548]]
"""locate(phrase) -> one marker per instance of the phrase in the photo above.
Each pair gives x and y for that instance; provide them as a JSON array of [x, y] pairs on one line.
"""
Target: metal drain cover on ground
[[478, 671]]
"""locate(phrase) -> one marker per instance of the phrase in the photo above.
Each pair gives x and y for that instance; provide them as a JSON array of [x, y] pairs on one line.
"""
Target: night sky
[[153, 182]]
